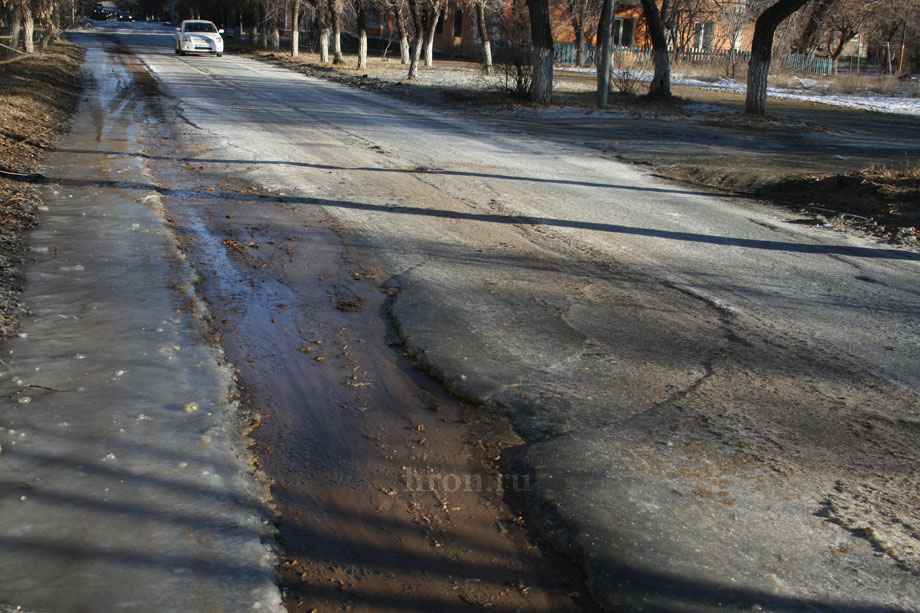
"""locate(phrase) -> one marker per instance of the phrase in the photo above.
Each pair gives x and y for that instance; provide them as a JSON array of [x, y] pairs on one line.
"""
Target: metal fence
[[810, 63]]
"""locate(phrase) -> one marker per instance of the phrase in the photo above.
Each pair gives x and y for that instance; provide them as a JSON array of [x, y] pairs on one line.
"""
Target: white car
[[199, 36]]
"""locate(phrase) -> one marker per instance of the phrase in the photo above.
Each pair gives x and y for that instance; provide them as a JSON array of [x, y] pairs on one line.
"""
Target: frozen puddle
[[122, 485]]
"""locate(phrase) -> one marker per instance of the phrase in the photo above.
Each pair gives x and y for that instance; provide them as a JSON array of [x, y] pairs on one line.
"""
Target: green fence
[[641, 57], [810, 63]]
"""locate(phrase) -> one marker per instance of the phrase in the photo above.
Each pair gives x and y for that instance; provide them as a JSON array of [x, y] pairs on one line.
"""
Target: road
[[716, 402]]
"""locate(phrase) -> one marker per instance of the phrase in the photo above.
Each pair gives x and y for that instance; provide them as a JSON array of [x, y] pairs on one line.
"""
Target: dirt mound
[[885, 199]]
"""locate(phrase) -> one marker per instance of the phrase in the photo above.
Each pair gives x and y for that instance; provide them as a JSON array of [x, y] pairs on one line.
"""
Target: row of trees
[[806, 26], [20, 19]]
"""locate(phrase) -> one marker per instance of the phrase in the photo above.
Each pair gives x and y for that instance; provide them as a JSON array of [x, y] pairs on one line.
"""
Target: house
[[701, 26]]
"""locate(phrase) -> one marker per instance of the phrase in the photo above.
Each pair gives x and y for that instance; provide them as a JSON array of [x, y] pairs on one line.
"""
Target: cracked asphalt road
[[719, 404]]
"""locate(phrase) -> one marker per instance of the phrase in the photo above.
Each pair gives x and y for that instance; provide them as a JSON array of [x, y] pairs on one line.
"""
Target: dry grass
[[849, 84]]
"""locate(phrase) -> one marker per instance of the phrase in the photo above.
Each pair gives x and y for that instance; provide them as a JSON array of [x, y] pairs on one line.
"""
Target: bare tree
[[845, 21], [733, 16], [581, 13], [399, 18], [660, 87], [762, 52], [295, 28], [809, 38], [432, 13], [541, 34], [604, 51], [337, 11], [324, 25], [28, 27], [361, 7], [415, 14], [482, 14]]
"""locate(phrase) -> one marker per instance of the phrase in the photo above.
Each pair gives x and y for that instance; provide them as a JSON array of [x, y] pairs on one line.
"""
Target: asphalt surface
[[719, 404]]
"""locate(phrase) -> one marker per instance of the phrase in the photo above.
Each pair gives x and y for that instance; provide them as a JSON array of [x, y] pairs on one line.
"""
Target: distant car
[[199, 36], [125, 17]]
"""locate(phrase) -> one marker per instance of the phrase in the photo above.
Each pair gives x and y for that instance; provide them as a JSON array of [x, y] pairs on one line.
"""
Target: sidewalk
[[123, 485]]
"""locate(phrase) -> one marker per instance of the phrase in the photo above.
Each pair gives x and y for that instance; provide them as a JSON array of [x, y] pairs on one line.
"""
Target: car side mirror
[[221, 31]]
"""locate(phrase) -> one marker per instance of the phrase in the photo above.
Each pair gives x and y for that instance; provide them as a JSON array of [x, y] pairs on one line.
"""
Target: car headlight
[[186, 39]]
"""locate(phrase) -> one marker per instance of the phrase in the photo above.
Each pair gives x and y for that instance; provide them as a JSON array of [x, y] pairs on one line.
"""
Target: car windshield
[[200, 26]]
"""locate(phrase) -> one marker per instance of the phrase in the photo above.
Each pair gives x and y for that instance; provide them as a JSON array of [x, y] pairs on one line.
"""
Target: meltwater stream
[[122, 485]]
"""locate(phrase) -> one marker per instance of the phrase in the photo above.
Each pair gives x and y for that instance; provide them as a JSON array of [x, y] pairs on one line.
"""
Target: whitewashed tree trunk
[[756, 99], [295, 29], [762, 53], [542, 75], [276, 35], [542, 49], [429, 37], [324, 45], [485, 38], [362, 49], [28, 28], [403, 35]]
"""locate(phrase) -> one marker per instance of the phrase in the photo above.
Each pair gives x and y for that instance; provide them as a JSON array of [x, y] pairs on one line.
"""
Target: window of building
[[458, 23], [624, 31], [374, 16], [703, 34]]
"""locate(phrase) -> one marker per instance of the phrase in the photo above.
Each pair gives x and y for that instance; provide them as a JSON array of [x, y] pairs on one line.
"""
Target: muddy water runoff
[[389, 493]]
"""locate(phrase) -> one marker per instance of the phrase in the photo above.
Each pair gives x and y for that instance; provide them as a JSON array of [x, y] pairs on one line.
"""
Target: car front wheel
[[219, 54]]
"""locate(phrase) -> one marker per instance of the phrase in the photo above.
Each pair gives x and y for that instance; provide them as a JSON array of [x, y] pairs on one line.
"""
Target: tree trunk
[[295, 29], [417, 40], [581, 59], [485, 38], [808, 41], [51, 30], [580, 55], [15, 30], [403, 35], [542, 36], [433, 17], [276, 33], [28, 28], [762, 53], [603, 51], [324, 45], [660, 86], [337, 57], [361, 10]]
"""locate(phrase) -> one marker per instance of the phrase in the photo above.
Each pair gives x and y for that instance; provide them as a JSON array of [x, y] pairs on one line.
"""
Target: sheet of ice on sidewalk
[[123, 483]]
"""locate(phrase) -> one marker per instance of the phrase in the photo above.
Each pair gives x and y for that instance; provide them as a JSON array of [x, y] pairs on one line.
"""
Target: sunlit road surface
[[719, 402]]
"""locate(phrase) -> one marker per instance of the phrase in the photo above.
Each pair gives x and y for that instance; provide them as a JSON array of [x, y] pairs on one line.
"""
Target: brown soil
[[38, 94]]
